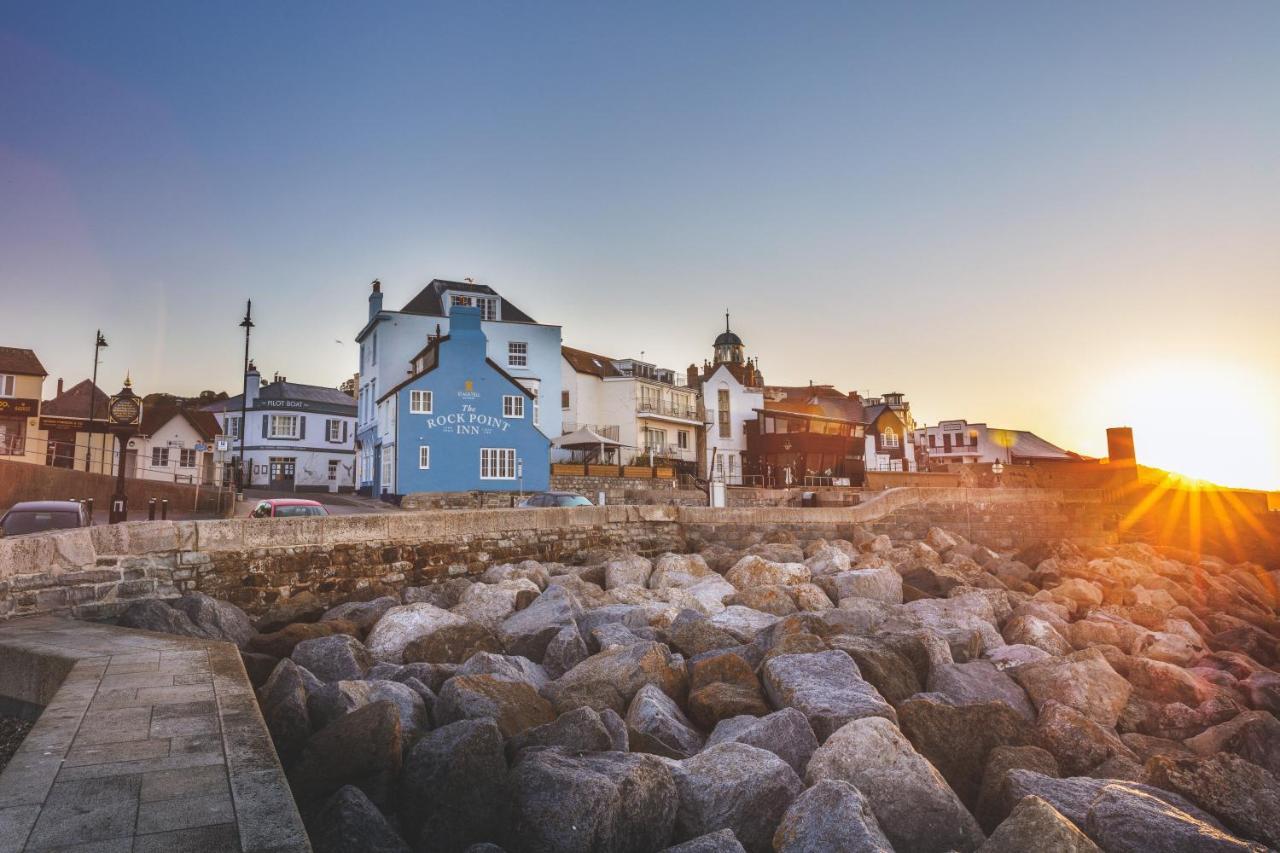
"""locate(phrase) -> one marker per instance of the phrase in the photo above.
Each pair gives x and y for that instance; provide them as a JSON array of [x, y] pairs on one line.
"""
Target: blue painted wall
[[467, 415]]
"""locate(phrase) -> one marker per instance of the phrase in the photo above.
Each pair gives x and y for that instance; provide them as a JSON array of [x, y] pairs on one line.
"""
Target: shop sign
[[18, 407]]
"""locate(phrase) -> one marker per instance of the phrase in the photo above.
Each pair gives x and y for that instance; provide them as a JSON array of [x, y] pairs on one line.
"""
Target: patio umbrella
[[584, 439]]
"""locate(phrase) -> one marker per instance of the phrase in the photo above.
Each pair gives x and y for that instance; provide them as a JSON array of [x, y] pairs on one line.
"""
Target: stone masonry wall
[[95, 571]]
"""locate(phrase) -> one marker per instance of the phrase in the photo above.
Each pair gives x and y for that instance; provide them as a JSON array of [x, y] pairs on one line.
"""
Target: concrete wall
[[895, 479], [254, 562]]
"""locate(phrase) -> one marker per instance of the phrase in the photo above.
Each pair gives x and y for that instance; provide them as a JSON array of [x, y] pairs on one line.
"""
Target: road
[[336, 504]]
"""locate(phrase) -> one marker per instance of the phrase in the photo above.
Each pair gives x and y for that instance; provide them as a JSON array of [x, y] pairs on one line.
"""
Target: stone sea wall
[[254, 562]]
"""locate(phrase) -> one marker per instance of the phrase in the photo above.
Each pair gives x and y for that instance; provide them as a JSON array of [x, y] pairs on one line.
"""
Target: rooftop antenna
[[469, 280]]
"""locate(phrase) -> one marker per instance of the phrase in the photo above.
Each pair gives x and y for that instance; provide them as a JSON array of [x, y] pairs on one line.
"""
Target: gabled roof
[[23, 361], [154, 419], [74, 402], [430, 300], [588, 362], [830, 401], [290, 391], [416, 376]]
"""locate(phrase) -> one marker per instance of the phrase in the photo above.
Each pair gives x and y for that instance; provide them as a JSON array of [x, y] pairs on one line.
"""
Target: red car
[[287, 508]]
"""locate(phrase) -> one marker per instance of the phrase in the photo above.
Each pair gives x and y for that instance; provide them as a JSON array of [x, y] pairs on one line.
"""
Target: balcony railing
[[671, 410]]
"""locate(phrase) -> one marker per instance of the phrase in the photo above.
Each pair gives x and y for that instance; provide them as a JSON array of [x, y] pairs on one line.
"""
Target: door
[[281, 471]]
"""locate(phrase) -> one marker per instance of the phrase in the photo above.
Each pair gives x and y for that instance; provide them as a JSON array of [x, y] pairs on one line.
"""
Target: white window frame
[[388, 469], [274, 423], [424, 457], [184, 454], [497, 463], [517, 353], [421, 402], [8, 385], [682, 439], [889, 438], [159, 457], [535, 409], [333, 469], [513, 405], [333, 429], [488, 306], [456, 299]]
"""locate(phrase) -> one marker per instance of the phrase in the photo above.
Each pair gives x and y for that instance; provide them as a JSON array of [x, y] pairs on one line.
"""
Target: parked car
[[542, 499], [287, 508], [39, 516]]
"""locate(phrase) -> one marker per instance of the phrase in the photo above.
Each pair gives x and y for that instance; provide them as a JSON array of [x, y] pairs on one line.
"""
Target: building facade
[[890, 434], [21, 387], [460, 422], [294, 437], [807, 435], [74, 425], [962, 441], [650, 410], [390, 340], [732, 391], [176, 445]]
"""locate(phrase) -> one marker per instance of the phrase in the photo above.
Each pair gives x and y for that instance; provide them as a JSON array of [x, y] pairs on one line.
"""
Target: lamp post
[[997, 468], [98, 343], [124, 413], [246, 324]]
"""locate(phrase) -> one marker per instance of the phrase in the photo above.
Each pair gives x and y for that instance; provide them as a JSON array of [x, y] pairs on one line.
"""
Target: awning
[[585, 439]]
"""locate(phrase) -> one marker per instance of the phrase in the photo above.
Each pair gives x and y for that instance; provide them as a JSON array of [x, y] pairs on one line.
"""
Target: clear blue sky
[[1013, 212]]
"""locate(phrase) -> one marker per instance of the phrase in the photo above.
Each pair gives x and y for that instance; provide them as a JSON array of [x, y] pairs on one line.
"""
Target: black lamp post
[[124, 413], [99, 343], [246, 324]]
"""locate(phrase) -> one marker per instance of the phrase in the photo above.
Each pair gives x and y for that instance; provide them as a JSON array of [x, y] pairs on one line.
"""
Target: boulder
[[491, 604], [967, 623], [742, 623], [510, 667], [333, 658], [1036, 825], [892, 674], [363, 614], [993, 800], [1082, 680], [579, 730], [258, 667], [330, 702], [453, 643], [631, 570], [362, 749], [350, 823], [154, 615], [526, 569], [1007, 657], [283, 701], [655, 724], [706, 596], [1165, 683], [721, 841], [940, 540], [723, 685], [443, 594], [1124, 820], [809, 597], [611, 635], [785, 733], [826, 687], [915, 808], [1263, 691], [882, 584], [979, 681], [606, 801], [779, 552], [1241, 794], [514, 705], [453, 791], [678, 570], [957, 739], [830, 817], [692, 633], [219, 620], [611, 679], [1253, 735], [566, 650], [827, 561], [401, 625], [303, 607], [1025, 629], [527, 632], [280, 644], [734, 786], [1077, 742], [754, 570], [774, 600]]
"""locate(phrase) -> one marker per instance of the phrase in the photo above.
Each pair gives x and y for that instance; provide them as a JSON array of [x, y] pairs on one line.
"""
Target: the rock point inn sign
[[467, 421]]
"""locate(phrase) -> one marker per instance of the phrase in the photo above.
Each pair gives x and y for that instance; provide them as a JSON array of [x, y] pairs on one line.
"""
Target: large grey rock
[[565, 651], [979, 681], [612, 678], [655, 724], [912, 803], [1028, 629], [1078, 743], [283, 701], [331, 702], [401, 625], [363, 614], [1241, 794], [632, 570], [491, 604], [513, 704], [453, 791], [1123, 820], [958, 620], [830, 817], [350, 823], [826, 687], [994, 804], [754, 570], [692, 633], [879, 584], [785, 733], [510, 667], [678, 571], [336, 657], [452, 644], [607, 801], [1074, 795], [303, 607], [361, 749], [1253, 735], [527, 632], [742, 622], [579, 730], [1036, 825], [884, 668], [220, 620], [1082, 680], [734, 786], [720, 841], [154, 615]]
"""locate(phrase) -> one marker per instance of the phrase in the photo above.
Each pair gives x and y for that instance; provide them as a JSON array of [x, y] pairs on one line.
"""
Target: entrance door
[[281, 471], [377, 470]]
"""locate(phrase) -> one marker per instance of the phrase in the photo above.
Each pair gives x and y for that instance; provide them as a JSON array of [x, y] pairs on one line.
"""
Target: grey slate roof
[[290, 391], [430, 301], [24, 361]]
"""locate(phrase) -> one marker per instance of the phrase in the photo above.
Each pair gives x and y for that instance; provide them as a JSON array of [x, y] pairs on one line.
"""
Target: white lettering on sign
[[283, 404], [467, 423]]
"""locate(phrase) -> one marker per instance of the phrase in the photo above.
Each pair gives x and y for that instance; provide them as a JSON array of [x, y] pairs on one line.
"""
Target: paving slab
[[145, 742]]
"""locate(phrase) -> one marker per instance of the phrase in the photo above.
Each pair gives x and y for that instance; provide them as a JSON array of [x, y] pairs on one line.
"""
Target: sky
[[1056, 217]]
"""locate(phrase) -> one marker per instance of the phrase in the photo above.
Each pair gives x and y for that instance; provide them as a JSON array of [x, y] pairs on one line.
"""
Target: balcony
[[666, 409], [663, 451]]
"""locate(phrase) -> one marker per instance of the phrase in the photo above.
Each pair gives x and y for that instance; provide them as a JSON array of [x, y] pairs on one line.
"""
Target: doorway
[[281, 471]]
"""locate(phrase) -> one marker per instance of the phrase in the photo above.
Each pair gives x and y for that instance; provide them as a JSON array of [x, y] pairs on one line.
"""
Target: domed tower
[[728, 346]]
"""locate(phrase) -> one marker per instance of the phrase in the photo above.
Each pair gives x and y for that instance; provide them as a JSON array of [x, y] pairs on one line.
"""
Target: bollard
[[151, 509], [164, 509], [88, 506]]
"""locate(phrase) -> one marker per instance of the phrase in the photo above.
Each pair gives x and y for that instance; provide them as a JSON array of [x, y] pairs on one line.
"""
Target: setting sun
[[1205, 420]]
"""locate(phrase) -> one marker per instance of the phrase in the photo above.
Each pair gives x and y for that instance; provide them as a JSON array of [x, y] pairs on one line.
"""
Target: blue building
[[391, 340], [460, 422]]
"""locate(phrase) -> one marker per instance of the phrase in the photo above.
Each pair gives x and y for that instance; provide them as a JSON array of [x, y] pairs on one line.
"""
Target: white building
[[961, 441], [177, 446], [296, 437], [391, 340], [732, 390], [649, 409]]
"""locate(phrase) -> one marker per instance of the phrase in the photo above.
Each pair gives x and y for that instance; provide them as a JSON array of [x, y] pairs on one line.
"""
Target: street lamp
[[99, 343], [246, 324], [997, 468], [124, 413]]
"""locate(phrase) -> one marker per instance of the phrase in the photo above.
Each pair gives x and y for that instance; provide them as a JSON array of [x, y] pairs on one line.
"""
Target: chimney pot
[[59, 386]]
